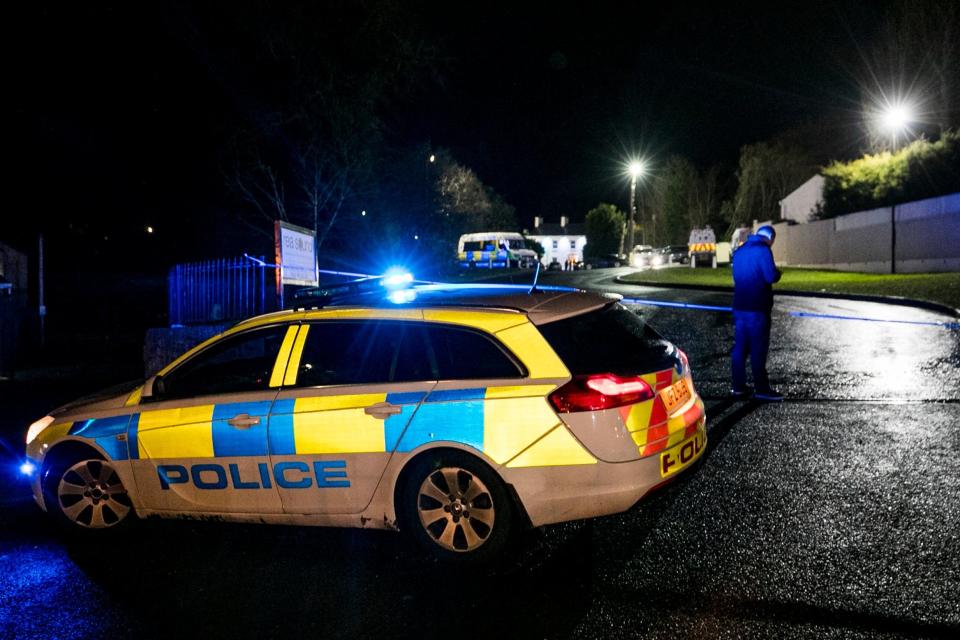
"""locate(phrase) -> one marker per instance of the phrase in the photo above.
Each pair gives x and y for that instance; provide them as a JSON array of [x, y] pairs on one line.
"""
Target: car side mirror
[[153, 389]]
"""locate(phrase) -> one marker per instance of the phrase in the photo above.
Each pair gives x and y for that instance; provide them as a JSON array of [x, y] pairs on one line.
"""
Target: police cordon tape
[[951, 326], [954, 326]]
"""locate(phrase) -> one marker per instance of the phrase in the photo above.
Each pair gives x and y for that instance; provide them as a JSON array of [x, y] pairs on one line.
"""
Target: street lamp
[[894, 120], [636, 169]]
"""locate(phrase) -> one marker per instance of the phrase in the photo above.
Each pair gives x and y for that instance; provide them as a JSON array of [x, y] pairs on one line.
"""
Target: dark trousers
[[751, 336]]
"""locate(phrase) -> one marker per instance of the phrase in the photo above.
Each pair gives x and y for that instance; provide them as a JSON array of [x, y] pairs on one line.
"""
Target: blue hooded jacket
[[753, 274]]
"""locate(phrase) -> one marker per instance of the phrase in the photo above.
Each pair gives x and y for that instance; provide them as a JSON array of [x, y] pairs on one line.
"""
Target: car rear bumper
[[562, 493]]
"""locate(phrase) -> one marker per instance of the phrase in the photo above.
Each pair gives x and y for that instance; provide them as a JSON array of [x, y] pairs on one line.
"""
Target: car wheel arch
[[70, 449], [418, 457], [75, 449]]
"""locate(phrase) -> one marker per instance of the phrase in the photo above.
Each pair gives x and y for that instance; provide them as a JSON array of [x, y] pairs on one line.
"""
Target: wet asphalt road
[[835, 514]]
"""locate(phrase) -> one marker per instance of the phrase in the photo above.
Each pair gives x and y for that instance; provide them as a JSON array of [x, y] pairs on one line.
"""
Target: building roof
[[553, 229]]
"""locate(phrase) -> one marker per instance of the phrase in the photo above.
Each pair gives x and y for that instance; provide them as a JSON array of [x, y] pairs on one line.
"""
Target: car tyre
[[456, 508], [85, 495]]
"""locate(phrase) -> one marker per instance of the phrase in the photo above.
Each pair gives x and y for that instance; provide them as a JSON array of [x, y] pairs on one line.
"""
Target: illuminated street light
[[636, 168], [363, 213], [149, 229], [433, 158], [896, 118], [893, 120]]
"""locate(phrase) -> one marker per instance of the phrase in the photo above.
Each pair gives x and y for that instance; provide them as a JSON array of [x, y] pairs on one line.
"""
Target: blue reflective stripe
[[455, 421], [115, 449], [394, 425], [100, 427], [232, 441], [451, 395], [132, 445], [281, 428], [407, 397], [104, 432]]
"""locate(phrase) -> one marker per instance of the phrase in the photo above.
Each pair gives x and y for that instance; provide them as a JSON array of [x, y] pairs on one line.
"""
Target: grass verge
[[943, 288]]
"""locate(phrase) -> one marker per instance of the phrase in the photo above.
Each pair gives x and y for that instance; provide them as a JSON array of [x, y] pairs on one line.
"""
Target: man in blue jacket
[[754, 273]]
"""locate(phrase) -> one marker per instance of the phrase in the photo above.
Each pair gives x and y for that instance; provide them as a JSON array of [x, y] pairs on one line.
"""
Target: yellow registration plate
[[680, 456], [676, 395]]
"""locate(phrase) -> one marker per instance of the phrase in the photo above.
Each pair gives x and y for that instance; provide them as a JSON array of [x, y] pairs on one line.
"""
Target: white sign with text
[[296, 254]]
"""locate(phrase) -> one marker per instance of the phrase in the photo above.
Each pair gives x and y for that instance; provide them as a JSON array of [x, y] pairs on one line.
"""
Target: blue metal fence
[[218, 290]]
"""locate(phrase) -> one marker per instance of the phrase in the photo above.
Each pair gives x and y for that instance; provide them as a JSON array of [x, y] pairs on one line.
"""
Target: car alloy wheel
[[90, 495], [456, 509]]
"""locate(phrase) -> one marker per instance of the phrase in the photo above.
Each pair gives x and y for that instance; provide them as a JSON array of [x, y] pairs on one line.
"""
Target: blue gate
[[219, 290]]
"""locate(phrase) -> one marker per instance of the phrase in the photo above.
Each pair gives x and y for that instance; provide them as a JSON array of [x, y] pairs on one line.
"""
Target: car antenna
[[536, 276]]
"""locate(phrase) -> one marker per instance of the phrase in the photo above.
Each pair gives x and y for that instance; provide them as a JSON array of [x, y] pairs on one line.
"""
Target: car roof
[[543, 305]]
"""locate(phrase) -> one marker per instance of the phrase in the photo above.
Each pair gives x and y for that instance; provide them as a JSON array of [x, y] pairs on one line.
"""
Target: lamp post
[[635, 169]]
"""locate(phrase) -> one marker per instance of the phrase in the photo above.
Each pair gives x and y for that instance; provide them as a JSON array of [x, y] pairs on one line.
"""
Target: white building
[[801, 204], [561, 242]]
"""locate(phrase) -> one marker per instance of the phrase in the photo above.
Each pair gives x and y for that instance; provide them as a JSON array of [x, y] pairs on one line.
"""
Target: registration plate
[[679, 457], [676, 395]]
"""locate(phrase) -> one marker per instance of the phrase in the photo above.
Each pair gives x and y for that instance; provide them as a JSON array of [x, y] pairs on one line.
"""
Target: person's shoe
[[769, 395], [741, 394]]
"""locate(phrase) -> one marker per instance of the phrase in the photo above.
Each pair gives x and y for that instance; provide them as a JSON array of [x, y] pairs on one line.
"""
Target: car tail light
[[600, 391], [684, 362]]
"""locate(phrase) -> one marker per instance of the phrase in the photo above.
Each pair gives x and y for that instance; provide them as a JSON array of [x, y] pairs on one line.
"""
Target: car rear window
[[363, 352], [337, 353], [610, 340], [464, 354]]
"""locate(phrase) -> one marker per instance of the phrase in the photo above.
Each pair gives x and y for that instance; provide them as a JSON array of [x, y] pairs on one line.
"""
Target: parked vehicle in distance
[[703, 247], [495, 249], [606, 261], [454, 414], [641, 256], [672, 254]]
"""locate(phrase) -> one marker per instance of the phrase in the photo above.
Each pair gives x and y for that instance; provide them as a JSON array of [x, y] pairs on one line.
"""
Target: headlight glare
[[37, 427]]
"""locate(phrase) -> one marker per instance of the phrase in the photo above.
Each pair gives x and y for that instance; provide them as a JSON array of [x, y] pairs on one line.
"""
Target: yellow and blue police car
[[457, 414]]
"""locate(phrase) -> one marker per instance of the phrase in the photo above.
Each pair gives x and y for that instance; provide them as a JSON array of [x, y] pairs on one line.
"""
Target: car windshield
[[517, 244]]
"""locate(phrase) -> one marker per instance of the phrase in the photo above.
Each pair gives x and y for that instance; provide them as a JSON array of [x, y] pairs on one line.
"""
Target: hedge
[[920, 170]]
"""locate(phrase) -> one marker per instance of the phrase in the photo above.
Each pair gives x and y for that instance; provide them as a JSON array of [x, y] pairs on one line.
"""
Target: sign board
[[296, 255]]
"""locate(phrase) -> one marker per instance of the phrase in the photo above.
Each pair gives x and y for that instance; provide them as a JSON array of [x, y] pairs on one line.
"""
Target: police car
[[456, 414]]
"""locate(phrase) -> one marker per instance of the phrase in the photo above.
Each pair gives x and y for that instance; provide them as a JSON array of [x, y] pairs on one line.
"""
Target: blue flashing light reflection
[[27, 468], [402, 296]]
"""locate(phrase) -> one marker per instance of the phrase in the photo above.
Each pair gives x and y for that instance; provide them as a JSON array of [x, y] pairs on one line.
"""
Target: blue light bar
[[27, 468], [396, 277]]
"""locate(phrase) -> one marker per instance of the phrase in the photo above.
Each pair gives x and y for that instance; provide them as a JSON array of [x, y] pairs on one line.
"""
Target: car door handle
[[243, 421], [382, 410]]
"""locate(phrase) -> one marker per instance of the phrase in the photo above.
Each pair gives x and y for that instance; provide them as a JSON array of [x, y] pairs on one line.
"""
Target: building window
[[573, 244], [556, 244]]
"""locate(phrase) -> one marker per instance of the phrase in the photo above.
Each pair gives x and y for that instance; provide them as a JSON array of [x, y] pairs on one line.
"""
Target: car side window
[[463, 354], [337, 353], [242, 362]]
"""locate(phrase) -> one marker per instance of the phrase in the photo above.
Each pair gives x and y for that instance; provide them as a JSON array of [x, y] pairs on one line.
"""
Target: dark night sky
[[116, 124]]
